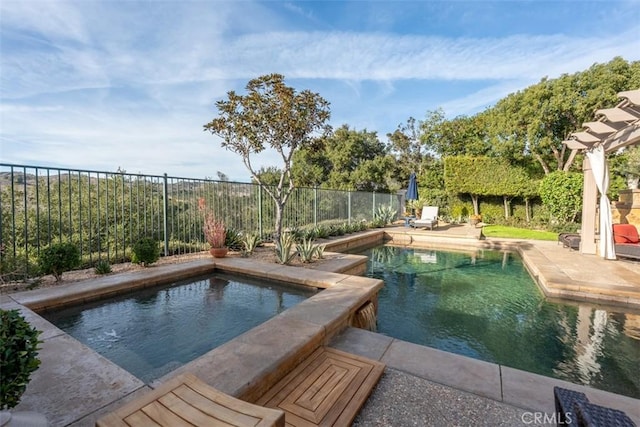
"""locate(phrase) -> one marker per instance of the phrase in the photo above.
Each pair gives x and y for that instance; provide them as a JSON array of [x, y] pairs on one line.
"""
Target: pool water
[[485, 305], [152, 332]]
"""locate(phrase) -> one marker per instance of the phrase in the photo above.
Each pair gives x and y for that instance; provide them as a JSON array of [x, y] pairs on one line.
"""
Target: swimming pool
[[153, 331], [485, 305]]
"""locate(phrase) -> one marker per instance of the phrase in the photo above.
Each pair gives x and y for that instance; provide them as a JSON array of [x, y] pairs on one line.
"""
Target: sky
[[127, 84]]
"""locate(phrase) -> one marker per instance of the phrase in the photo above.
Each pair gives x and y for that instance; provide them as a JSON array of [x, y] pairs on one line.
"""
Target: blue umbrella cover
[[412, 190]]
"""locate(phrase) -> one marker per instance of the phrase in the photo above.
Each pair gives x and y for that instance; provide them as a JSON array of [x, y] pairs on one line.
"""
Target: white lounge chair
[[429, 218]]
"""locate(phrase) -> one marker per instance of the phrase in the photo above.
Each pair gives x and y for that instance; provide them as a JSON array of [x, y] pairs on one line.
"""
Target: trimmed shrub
[[145, 251], [102, 267], [58, 258], [18, 358], [561, 193]]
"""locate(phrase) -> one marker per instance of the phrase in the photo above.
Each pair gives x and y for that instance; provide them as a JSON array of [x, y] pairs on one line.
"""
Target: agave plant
[[306, 250], [284, 255], [233, 239], [322, 232], [385, 214], [249, 243], [319, 251]]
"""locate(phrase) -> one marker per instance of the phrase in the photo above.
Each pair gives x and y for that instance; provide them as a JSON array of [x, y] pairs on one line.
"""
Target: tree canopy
[[273, 115], [534, 122], [348, 159]]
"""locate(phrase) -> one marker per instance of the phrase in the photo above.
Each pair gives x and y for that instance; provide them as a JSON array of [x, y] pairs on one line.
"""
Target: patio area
[[421, 386]]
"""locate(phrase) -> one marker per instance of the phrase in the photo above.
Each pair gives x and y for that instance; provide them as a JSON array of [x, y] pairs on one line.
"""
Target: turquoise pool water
[[486, 306], [153, 331]]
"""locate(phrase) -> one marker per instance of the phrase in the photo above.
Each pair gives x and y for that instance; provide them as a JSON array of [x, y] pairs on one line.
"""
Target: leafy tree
[[430, 132], [271, 114], [270, 175], [561, 193], [631, 165], [509, 182], [487, 176], [348, 159], [406, 146], [461, 136], [534, 122], [349, 150], [528, 191], [471, 175], [311, 165]]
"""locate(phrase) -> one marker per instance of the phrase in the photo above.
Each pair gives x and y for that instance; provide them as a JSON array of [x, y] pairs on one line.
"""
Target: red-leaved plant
[[214, 231]]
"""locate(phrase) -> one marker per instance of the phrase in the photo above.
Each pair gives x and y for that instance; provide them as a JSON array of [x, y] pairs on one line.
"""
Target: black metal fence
[[104, 213]]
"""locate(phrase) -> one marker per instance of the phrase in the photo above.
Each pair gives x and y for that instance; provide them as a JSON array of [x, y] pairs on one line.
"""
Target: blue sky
[[105, 84]]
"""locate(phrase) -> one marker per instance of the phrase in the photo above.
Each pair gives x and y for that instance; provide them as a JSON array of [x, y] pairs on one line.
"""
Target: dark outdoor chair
[[574, 409], [569, 240], [627, 241]]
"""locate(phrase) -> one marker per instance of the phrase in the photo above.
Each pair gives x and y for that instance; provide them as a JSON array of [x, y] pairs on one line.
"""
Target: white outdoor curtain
[[600, 171]]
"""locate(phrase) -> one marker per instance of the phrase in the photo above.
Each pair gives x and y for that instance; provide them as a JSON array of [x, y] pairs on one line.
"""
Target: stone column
[[627, 209]]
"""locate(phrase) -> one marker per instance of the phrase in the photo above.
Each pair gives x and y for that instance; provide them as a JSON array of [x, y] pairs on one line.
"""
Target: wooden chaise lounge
[[627, 241], [328, 388]]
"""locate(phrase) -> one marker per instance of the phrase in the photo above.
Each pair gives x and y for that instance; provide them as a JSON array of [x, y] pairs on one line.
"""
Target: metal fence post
[[165, 209], [349, 207], [373, 213], [315, 206], [260, 230]]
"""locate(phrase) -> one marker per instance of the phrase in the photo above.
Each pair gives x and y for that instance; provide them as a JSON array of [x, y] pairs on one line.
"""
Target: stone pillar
[[627, 209], [589, 207]]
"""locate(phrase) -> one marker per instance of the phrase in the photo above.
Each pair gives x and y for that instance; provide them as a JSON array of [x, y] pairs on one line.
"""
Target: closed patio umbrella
[[412, 190]]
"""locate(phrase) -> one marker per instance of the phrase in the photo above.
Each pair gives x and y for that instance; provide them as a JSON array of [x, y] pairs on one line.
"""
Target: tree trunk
[[505, 201], [474, 200], [544, 165], [526, 210], [278, 224]]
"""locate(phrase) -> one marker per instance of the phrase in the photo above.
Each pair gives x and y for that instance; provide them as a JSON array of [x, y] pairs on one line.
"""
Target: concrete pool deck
[[422, 386]]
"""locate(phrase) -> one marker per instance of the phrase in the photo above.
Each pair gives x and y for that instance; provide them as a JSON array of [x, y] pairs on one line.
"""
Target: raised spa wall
[[257, 359]]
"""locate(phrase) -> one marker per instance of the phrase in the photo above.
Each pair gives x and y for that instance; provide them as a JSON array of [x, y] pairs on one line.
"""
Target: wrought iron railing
[[104, 213]]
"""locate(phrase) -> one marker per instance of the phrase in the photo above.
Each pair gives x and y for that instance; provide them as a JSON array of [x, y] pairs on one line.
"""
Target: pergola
[[613, 128]]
